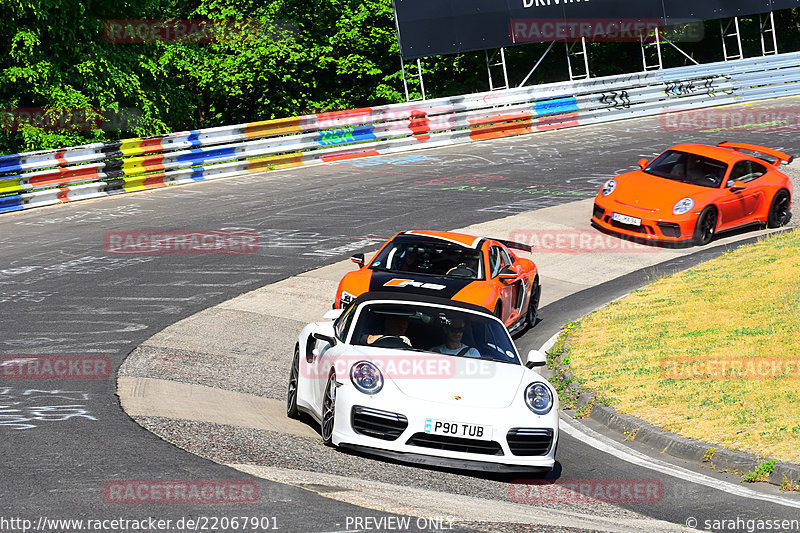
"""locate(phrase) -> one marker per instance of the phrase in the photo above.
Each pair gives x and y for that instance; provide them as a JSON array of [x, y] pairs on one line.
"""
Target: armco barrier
[[46, 177]]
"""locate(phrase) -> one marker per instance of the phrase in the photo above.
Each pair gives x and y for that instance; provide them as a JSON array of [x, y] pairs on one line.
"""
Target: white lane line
[[604, 444]]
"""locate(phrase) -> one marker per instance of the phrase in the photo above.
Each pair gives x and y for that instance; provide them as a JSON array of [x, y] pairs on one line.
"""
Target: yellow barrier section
[[268, 128]]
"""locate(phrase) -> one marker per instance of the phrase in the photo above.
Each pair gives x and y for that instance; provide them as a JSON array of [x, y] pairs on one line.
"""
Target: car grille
[[637, 229], [529, 441], [598, 211], [455, 444], [377, 424], [669, 229]]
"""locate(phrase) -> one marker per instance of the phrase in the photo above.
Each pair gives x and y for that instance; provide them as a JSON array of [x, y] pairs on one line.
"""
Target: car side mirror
[[737, 186], [642, 163], [507, 275], [358, 259], [536, 358], [324, 338]]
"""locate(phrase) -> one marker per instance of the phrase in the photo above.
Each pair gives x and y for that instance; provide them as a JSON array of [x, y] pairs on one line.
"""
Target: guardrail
[[47, 177]]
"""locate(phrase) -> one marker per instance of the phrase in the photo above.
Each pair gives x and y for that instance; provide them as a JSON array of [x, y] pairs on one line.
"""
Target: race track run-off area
[[199, 346]]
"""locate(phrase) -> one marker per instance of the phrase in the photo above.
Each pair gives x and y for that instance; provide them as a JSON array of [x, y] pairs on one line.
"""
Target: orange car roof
[[725, 155], [470, 241]]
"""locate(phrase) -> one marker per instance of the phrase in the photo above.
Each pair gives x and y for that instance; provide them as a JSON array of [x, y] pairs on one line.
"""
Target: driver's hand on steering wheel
[[374, 338]]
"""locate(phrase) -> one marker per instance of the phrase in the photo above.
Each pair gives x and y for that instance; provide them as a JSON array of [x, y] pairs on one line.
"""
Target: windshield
[[433, 329], [430, 256], [688, 168]]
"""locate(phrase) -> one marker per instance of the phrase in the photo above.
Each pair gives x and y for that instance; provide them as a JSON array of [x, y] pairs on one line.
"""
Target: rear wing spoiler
[[515, 245], [777, 154]]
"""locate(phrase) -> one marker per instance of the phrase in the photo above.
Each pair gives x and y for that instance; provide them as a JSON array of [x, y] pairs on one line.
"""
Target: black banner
[[442, 27]]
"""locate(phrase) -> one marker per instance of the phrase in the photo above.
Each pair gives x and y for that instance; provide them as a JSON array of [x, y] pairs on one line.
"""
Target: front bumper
[[679, 228], [403, 438], [447, 462]]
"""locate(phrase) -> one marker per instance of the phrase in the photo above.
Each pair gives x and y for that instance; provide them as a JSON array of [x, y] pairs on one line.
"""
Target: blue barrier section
[[194, 138], [10, 163], [556, 106], [201, 156], [198, 174], [11, 203], [346, 135]]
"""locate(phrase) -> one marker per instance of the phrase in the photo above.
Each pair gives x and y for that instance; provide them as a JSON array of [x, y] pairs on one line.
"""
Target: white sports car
[[425, 380]]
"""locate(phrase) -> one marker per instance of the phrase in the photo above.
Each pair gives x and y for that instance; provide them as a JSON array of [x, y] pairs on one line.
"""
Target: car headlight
[[608, 187], [366, 377], [683, 206], [538, 398]]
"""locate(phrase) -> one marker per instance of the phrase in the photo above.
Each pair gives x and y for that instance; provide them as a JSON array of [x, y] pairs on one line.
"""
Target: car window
[[342, 324], [432, 257], [506, 258], [742, 168], [745, 171], [433, 329], [495, 261], [688, 168]]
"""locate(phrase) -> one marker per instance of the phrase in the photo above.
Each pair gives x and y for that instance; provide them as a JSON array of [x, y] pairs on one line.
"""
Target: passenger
[[453, 333]]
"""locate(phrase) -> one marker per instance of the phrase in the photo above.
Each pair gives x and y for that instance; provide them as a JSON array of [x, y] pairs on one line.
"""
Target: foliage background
[[318, 55]]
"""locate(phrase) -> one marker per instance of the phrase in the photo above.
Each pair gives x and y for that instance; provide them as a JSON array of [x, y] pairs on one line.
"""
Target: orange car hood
[[652, 193]]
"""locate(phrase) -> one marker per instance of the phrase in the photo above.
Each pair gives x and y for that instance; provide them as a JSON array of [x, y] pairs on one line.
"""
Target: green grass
[[645, 354]]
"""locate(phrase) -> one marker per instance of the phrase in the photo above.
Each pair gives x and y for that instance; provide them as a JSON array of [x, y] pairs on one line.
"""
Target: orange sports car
[[476, 270], [693, 191]]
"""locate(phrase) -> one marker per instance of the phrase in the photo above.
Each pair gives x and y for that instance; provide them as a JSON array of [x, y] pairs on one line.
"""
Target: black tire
[[291, 394], [706, 226], [533, 304], [498, 310], [779, 213], [329, 410]]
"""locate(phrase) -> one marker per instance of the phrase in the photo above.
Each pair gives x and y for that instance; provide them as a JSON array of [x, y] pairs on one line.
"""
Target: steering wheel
[[390, 341], [462, 271]]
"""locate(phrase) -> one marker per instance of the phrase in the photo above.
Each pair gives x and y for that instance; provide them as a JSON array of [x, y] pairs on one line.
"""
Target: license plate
[[625, 219], [457, 429]]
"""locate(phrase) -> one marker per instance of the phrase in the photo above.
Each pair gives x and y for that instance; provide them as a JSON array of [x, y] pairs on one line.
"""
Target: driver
[[453, 333], [467, 268], [393, 326], [410, 261], [695, 170]]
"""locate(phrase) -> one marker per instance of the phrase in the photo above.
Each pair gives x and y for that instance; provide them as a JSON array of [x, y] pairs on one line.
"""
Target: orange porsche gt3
[[465, 268], [693, 191]]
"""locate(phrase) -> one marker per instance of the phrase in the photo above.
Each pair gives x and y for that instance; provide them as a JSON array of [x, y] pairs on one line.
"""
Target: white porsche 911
[[427, 381]]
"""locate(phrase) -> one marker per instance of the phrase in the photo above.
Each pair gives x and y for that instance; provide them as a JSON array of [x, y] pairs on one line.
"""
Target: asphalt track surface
[[62, 293]]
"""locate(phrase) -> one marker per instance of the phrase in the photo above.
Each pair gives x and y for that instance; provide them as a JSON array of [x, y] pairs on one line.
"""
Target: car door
[[319, 354], [757, 191], [736, 206], [498, 260], [518, 286]]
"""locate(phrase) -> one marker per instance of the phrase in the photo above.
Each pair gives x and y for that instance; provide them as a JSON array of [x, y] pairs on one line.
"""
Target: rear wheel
[[291, 395], [533, 304], [706, 226], [329, 410], [779, 213]]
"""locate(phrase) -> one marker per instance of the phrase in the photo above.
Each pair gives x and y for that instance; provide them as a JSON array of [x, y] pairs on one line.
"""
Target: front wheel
[[706, 226], [291, 395], [779, 213], [329, 410]]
